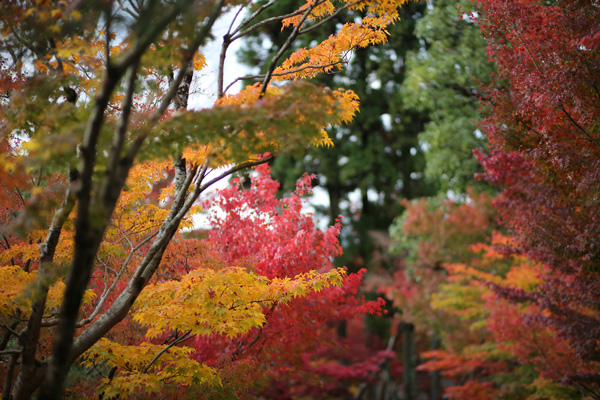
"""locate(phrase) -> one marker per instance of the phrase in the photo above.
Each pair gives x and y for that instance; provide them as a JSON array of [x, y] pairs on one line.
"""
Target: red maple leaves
[[253, 228]]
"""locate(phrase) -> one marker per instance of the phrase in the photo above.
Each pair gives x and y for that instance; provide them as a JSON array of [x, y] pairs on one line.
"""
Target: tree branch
[[284, 48], [292, 71], [255, 14], [30, 337], [175, 342], [9, 352], [10, 370], [329, 18], [237, 35], [188, 57]]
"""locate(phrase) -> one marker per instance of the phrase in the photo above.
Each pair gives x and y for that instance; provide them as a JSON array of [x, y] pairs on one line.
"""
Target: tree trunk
[[436, 378], [409, 361]]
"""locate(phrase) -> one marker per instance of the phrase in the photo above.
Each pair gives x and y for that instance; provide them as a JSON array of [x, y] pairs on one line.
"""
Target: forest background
[[467, 183]]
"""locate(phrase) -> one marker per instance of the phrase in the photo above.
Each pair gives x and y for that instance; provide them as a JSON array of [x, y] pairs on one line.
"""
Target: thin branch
[[10, 330], [104, 297], [241, 346], [107, 34], [284, 48], [187, 59], [256, 13], [237, 14], [9, 352], [235, 169], [579, 127], [180, 340], [330, 17], [268, 21], [291, 71], [39, 177], [6, 241], [221, 68], [592, 75], [20, 196]]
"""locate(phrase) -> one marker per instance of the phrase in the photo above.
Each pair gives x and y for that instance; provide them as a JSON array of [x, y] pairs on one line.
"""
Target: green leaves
[[442, 79]]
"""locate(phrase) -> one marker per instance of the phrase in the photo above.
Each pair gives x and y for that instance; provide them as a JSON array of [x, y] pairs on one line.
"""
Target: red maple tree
[[543, 125], [297, 351]]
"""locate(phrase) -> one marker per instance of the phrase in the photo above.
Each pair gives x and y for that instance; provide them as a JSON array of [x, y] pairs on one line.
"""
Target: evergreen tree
[[442, 80]]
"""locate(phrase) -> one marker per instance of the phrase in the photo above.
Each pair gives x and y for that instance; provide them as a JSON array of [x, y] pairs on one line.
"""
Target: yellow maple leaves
[[18, 291], [329, 55], [227, 301], [146, 367], [333, 52]]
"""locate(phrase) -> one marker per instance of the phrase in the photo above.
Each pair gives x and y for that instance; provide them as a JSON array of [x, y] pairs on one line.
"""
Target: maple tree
[[103, 164], [447, 287], [517, 313], [543, 130], [505, 353], [530, 299], [429, 234], [277, 240]]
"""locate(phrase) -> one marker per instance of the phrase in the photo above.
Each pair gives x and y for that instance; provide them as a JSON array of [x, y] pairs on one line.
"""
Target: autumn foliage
[[517, 309], [110, 289], [543, 130], [105, 163]]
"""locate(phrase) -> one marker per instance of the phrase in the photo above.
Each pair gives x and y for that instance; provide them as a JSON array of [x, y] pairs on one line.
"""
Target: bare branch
[[10, 329], [235, 169], [107, 34], [255, 14], [272, 19], [9, 352], [105, 295], [237, 14]]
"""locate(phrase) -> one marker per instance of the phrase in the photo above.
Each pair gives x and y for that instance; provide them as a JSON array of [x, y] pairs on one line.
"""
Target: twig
[[327, 19], [256, 13], [11, 330], [237, 35], [9, 352], [175, 342], [291, 71], [284, 48]]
